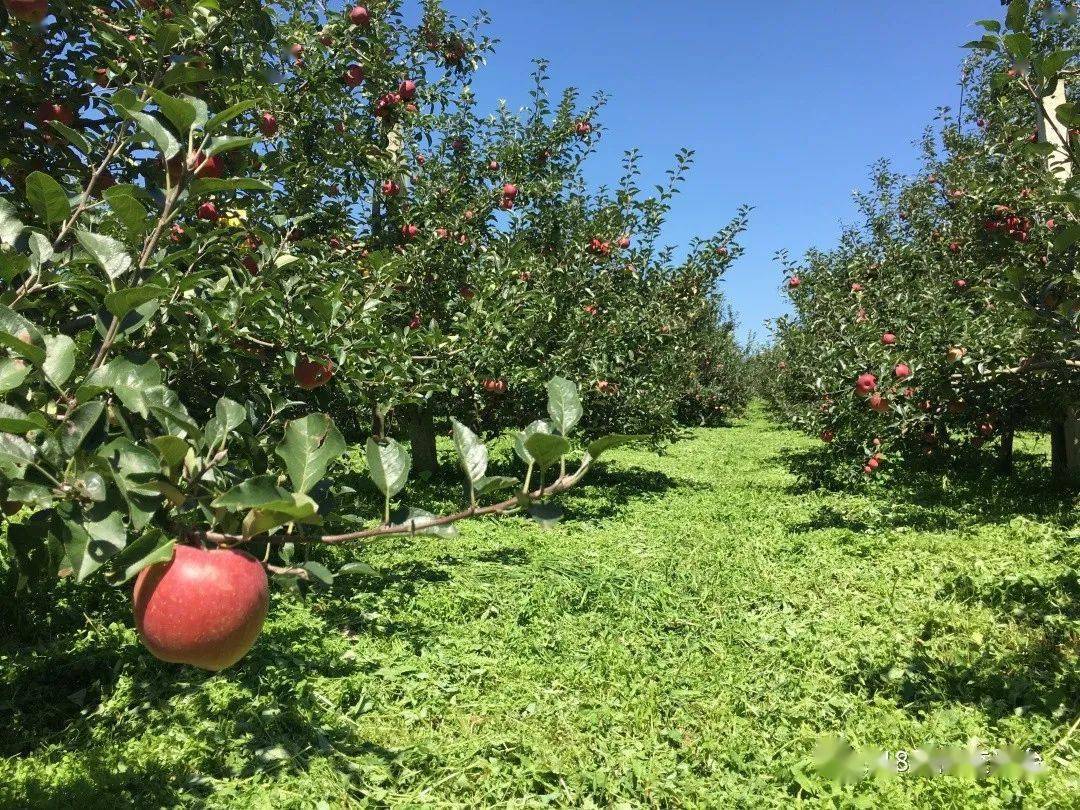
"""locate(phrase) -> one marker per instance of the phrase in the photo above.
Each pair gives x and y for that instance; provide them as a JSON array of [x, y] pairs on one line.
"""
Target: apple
[[251, 265], [591, 309], [721, 251], [493, 166], [624, 242], [458, 145], [506, 204], [208, 211], [865, 384], [955, 354], [390, 188], [353, 76], [828, 436], [794, 283], [873, 463], [466, 292], [326, 38], [954, 247], [888, 339], [407, 90], [268, 124], [385, 105], [583, 128], [415, 322], [29, 11], [902, 371], [101, 77], [311, 374], [986, 429], [960, 284], [606, 387], [410, 231], [879, 404], [510, 191], [52, 111], [358, 15], [203, 608], [204, 166], [856, 287], [297, 50]]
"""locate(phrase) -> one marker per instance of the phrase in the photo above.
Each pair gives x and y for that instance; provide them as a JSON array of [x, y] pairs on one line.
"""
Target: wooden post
[[1065, 432]]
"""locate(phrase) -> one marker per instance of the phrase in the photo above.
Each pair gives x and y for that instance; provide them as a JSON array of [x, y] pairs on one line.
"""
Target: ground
[[684, 639]]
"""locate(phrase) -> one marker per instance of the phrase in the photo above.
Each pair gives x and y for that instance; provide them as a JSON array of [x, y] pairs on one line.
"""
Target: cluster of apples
[[495, 386]]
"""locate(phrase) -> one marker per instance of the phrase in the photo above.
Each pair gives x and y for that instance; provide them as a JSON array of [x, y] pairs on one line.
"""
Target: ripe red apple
[[407, 90], [721, 251], [390, 188], [624, 242], [888, 339], [410, 231], [208, 211], [873, 463], [506, 204], [51, 111], [879, 404], [268, 124], [954, 247], [583, 128], [203, 608], [385, 105], [204, 166], [29, 11], [986, 429], [607, 387], [865, 385], [510, 191], [794, 283], [493, 166], [297, 50], [311, 374], [591, 309], [902, 371], [353, 76], [856, 287], [358, 15], [960, 284]]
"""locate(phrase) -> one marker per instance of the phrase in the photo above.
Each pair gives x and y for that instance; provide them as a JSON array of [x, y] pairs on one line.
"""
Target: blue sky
[[786, 103]]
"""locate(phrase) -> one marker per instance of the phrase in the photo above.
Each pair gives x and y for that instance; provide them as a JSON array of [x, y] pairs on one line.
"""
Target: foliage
[[951, 318], [603, 661]]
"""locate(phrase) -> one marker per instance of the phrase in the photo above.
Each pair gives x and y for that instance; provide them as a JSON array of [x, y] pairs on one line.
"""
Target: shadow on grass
[[930, 498]]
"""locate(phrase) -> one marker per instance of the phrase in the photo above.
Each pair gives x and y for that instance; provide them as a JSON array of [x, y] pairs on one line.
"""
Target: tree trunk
[[378, 424], [1005, 454], [420, 423]]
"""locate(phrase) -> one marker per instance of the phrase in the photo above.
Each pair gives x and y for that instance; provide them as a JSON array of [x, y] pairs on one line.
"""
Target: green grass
[[682, 640]]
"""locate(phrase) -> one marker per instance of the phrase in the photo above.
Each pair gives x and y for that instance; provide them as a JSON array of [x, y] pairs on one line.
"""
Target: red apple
[[268, 124], [203, 608], [410, 231], [624, 242], [794, 283], [879, 404], [204, 166], [902, 371], [865, 385], [510, 191], [251, 265], [960, 284], [51, 111], [856, 287], [390, 188], [583, 128], [208, 211], [29, 11], [888, 339], [311, 374], [828, 436], [353, 76], [358, 15], [296, 49], [407, 90]]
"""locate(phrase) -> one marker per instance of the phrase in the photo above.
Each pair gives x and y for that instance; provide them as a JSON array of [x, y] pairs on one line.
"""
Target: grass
[[683, 640]]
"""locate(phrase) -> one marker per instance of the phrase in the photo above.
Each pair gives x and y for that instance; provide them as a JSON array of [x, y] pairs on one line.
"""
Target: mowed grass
[[683, 640]]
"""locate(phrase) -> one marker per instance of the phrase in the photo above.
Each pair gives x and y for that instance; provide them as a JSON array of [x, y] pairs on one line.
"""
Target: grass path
[[683, 640]]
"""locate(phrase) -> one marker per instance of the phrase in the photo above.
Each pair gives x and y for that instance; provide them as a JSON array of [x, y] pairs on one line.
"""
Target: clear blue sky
[[787, 103]]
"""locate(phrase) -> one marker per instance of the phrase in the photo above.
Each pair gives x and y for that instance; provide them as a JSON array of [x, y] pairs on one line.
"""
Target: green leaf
[[91, 485], [59, 359], [12, 373], [420, 522], [539, 426], [135, 383], [389, 466], [228, 114], [254, 492], [36, 496], [153, 547], [185, 74], [76, 139], [131, 467], [12, 420], [602, 445], [121, 302], [1018, 45], [131, 213], [472, 452], [15, 450], [228, 143], [90, 544], [495, 483], [294, 508], [14, 328], [180, 113], [11, 227], [309, 447], [1067, 237], [358, 569], [215, 185], [171, 449], [36, 544], [106, 251], [130, 107], [546, 449], [231, 414], [319, 572], [1017, 16], [47, 198], [74, 430], [564, 404]]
